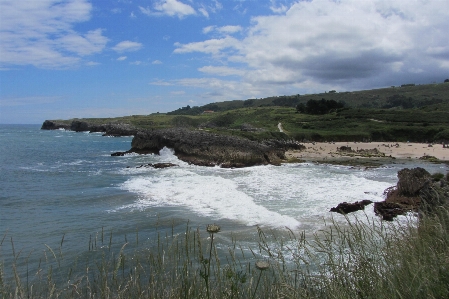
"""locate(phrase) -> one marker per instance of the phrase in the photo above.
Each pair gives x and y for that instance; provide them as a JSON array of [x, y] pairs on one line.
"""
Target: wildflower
[[212, 228], [262, 265]]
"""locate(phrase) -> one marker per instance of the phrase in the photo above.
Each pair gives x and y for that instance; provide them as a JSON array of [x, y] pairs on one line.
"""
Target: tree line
[[317, 107]]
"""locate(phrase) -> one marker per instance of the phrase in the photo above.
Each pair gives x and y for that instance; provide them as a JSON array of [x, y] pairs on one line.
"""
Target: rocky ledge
[[416, 191], [193, 146], [111, 129], [209, 149]]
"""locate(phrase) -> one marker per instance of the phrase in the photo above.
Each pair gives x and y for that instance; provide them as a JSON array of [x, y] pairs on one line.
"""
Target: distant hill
[[405, 96]]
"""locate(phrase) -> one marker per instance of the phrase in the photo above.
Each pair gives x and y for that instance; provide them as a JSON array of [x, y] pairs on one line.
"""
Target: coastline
[[368, 153]]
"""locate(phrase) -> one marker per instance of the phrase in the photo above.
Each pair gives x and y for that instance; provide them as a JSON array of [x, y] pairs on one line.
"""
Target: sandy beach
[[321, 151]]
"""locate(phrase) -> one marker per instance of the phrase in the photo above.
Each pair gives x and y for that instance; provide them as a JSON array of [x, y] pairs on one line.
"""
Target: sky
[[62, 59]]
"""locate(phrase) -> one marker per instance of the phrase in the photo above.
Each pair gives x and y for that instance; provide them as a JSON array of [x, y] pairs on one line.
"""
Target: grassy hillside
[[411, 113], [420, 95]]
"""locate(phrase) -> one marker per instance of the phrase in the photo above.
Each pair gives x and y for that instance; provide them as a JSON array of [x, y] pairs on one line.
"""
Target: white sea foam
[[211, 196], [274, 196]]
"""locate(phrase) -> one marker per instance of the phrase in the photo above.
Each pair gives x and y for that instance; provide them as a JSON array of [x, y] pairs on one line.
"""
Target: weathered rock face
[[412, 180], [415, 191], [207, 149], [83, 126], [54, 125]]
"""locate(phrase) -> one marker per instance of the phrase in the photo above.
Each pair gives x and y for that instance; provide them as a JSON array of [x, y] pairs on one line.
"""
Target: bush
[[437, 176]]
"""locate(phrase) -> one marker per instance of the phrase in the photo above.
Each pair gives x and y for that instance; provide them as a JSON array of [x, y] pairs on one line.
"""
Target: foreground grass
[[360, 259]]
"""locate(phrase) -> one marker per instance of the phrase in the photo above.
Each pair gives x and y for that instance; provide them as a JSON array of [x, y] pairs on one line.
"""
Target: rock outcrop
[[208, 149], [416, 191], [54, 125], [346, 207], [193, 146], [111, 129]]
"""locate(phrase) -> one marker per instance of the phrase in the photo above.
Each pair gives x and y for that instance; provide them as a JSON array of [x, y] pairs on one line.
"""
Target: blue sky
[[63, 59]]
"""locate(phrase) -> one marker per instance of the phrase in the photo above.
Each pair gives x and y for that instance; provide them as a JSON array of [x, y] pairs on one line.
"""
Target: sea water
[[63, 187]]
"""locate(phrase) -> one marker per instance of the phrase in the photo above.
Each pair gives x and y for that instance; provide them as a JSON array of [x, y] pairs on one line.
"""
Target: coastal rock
[[162, 165], [415, 191], [346, 208], [389, 210], [157, 165], [119, 154], [412, 180], [111, 129], [207, 149], [54, 125], [117, 130]]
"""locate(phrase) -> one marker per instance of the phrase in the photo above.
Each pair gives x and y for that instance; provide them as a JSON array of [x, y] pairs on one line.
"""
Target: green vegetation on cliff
[[410, 113]]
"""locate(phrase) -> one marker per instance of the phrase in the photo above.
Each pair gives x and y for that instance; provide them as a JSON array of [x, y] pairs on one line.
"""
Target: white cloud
[[222, 71], [229, 29], [92, 42], [137, 62], [212, 46], [208, 29], [224, 30], [156, 62], [41, 33], [204, 12], [278, 8], [92, 63], [127, 46], [345, 44], [121, 58], [170, 8]]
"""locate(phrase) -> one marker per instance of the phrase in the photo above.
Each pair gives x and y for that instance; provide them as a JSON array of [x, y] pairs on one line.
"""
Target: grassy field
[[359, 259]]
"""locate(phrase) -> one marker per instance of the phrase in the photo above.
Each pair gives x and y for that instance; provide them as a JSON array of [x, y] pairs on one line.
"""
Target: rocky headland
[[110, 129], [193, 146], [210, 149]]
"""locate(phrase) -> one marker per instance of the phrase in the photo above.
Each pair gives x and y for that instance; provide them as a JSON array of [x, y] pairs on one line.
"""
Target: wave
[[210, 196]]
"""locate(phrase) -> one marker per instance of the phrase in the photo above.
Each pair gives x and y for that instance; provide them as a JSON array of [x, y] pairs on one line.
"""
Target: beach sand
[[380, 151]]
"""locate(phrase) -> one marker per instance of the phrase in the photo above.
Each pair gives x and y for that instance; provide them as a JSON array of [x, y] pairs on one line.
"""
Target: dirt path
[[280, 128]]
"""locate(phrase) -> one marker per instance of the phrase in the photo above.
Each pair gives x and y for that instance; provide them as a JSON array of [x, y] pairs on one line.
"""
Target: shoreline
[[368, 153]]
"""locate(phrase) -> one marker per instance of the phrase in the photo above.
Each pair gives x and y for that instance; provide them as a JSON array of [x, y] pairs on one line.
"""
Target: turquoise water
[[63, 184]]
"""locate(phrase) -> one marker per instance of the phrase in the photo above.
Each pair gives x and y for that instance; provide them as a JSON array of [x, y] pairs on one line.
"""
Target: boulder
[[389, 210], [346, 208], [415, 192], [412, 180]]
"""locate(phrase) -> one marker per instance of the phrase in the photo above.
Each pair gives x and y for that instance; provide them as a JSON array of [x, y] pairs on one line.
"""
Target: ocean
[[65, 186]]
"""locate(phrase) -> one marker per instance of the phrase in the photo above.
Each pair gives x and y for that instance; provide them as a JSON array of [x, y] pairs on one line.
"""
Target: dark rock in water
[[119, 154], [207, 149], [162, 165], [414, 192], [345, 207], [112, 129], [389, 210]]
